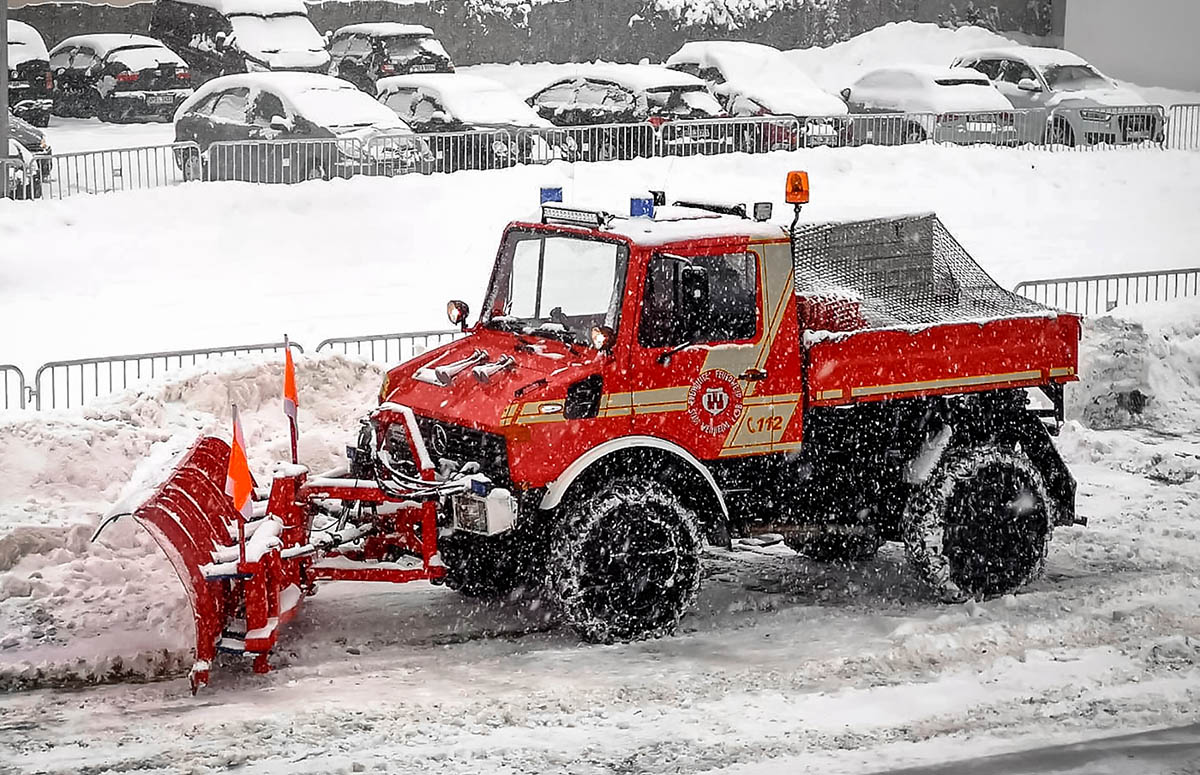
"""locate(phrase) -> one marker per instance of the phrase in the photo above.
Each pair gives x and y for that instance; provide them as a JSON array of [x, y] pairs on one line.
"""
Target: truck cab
[[694, 372]]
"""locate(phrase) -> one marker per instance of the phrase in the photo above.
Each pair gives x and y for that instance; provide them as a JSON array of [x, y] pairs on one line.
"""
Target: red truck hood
[[542, 369]]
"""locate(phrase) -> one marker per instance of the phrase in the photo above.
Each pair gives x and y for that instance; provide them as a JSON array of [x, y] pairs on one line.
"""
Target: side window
[[727, 312], [989, 67], [359, 47], [266, 107], [62, 59], [231, 106], [712, 75], [205, 107], [559, 95], [691, 68], [339, 45], [1014, 72], [83, 59], [401, 101]]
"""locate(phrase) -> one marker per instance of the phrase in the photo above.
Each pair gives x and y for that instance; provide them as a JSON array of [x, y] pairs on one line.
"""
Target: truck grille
[[463, 445]]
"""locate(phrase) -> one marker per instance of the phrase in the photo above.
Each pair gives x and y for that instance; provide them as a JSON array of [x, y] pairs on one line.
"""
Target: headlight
[[500, 147], [1094, 115]]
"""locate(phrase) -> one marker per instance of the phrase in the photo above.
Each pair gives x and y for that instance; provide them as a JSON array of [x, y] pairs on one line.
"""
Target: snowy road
[[786, 664]]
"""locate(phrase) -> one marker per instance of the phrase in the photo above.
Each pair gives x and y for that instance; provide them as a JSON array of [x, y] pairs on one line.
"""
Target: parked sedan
[[474, 123], [30, 83], [307, 126], [364, 53], [1085, 106], [33, 140], [752, 79], [118, 78], [951, 105], [661, 99]]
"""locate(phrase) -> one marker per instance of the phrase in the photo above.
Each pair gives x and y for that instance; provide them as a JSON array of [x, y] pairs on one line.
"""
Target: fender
[[559, 487]]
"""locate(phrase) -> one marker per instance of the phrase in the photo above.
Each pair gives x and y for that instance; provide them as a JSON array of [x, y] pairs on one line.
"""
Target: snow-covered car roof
[[24, 43], [104, 42], [920, 88], [1038, 56], [255, 7], [322, 99], [386, 30], [761, 73], [469, 98], [637, 78]]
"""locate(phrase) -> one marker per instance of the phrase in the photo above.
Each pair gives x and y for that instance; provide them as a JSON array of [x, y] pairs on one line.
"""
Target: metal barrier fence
[[397, 154], [1096, 294], [63, 384], [19, 180], [120, 169], [1183, 127], [12, 387], [389, 348]]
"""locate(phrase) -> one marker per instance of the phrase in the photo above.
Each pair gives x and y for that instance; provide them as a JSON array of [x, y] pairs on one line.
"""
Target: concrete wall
[[1148, 42]]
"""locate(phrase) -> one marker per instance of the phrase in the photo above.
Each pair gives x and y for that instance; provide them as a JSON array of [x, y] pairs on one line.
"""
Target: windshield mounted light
[[458, 311], [763, 211], [603, 338]]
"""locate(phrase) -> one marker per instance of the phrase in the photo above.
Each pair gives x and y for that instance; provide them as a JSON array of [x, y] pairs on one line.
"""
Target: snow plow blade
[[245, 578]]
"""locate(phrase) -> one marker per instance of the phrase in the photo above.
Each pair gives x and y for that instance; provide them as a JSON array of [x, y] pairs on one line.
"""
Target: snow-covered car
[[486, 120], [364, 53], [753, 79], [947, 104], [661, 99], [32, 140], [1086, 106], [30, 82], [222, 37], [118, 77], [335, 130], [20, 174]]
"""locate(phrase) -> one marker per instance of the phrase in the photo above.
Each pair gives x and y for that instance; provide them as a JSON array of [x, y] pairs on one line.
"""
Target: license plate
[[422, 68], [822, 139], [1139, 134], [980, 126], [160, 99]]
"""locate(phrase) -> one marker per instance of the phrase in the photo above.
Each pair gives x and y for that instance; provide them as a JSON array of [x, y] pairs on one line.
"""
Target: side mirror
[[1028, 84], [693, 282], [458, 311], [845, 94], [603, 338]]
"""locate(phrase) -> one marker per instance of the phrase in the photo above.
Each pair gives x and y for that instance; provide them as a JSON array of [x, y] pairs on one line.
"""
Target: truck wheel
[[481, 566], [980, 525], [625, 563]]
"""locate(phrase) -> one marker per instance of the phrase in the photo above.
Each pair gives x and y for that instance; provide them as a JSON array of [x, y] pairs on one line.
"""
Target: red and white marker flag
[[291, 399], [239, 484]]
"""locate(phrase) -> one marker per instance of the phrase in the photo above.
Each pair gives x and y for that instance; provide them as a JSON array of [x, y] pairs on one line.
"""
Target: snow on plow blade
[[245, 579]]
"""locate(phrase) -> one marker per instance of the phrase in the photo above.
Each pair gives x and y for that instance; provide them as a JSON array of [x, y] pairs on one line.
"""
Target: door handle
[[753, 375]]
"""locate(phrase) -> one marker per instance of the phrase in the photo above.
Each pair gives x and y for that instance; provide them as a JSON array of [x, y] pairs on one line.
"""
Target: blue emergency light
[[551, 195], [641, 207]]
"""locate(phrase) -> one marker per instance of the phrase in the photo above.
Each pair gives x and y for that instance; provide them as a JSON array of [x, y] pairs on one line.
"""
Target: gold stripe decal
[[910, 387], [829, 395], [1066, 371]]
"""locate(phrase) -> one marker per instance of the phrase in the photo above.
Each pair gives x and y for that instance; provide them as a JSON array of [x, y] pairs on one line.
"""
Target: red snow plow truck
[[637, 386]]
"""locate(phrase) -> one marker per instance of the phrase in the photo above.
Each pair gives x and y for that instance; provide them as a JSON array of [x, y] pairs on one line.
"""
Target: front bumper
[[1101, 126]]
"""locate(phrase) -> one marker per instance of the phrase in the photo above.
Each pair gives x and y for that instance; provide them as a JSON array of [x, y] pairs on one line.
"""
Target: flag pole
[[291, 400]]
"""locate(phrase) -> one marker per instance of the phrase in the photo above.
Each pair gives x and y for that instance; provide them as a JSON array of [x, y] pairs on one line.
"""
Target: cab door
[[699, 367]]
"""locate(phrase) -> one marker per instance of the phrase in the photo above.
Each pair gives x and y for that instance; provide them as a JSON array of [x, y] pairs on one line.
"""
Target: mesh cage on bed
[[893, 272]]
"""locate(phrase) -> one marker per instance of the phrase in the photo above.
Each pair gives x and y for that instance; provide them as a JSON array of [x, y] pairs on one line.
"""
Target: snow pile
[[76, 612], [899, 43], [1140, 367]]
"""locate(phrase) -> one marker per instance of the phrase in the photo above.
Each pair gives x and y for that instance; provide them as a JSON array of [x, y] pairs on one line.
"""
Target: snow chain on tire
[[926, 521], [597, 533]]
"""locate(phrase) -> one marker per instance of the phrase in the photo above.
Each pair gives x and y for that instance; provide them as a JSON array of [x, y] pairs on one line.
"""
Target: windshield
[[556, 285], [401, 48], [272, 34], [343, 108], [682, 102], [1074, 78]]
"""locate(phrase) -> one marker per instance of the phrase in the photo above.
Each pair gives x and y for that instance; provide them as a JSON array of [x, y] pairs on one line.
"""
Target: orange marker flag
[[238, 483], [291, 399]]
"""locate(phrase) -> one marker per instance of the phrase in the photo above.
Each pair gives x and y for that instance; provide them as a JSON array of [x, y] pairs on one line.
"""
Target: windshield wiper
[[665, 357]]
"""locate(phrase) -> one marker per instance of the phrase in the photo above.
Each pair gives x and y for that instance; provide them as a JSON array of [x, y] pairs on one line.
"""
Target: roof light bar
[[571, 216]]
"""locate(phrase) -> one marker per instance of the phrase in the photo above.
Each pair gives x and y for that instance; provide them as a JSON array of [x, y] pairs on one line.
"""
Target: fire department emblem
[[715, 401]]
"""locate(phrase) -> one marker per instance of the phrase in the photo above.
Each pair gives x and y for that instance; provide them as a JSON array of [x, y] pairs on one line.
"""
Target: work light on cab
[[458, 311]]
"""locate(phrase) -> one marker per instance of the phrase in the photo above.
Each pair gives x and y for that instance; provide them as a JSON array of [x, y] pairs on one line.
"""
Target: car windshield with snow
[[662, 101], [364, 53], [473, 122], [1074, 102], [30, 81], [753, 79], [952, 105], [118, 78], [218, 37], [309, 125]]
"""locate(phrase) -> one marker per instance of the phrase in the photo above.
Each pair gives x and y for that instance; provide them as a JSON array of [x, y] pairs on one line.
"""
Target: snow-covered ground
[[785, 664]]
